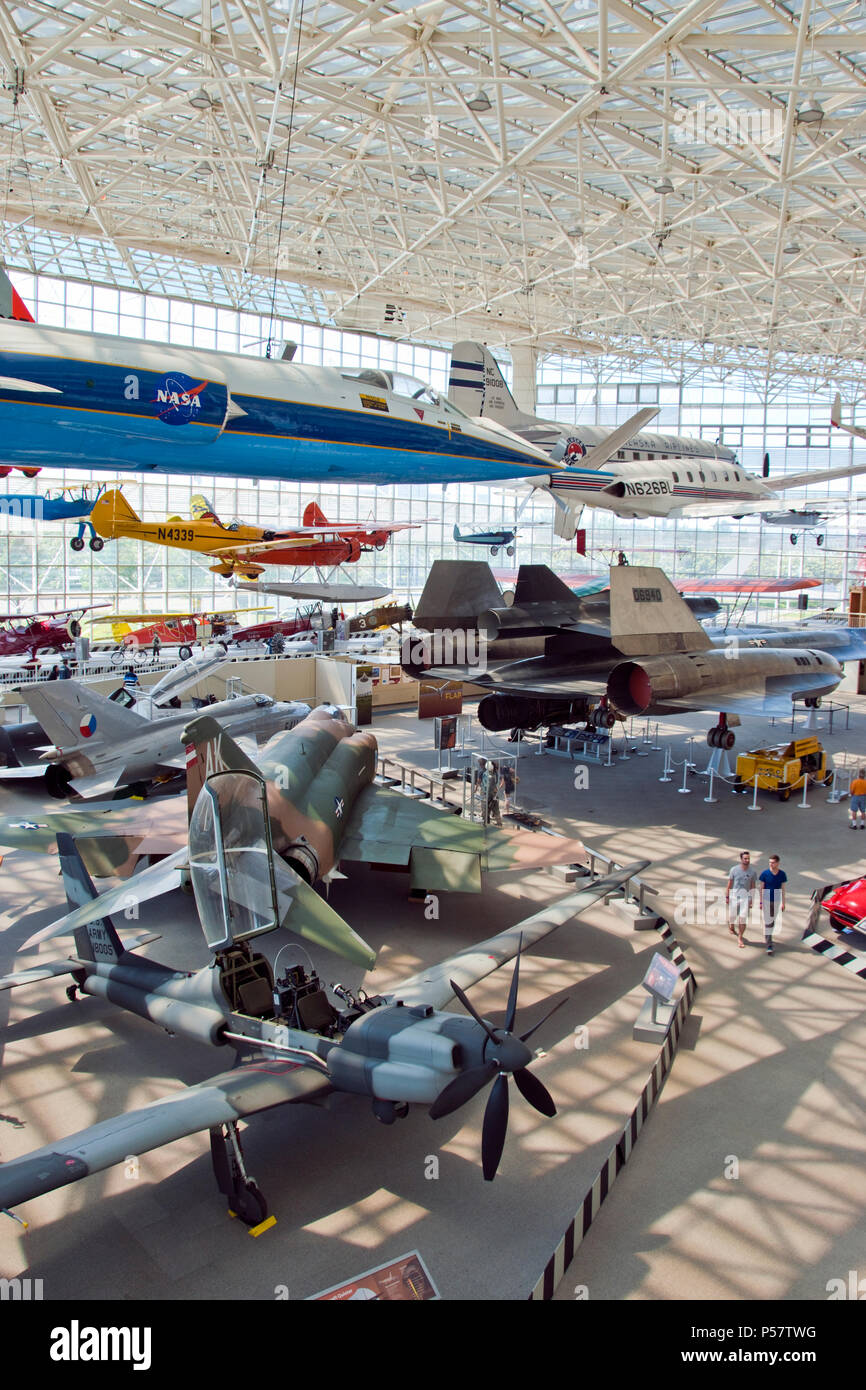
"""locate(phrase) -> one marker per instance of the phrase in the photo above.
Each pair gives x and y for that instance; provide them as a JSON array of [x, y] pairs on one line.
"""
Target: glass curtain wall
[[39, 570]]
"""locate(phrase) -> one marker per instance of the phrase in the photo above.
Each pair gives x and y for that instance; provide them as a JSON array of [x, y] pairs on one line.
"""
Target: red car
[[846, 904]]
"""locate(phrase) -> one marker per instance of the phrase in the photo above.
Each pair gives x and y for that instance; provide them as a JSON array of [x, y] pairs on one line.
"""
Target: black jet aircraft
[[551, 656]]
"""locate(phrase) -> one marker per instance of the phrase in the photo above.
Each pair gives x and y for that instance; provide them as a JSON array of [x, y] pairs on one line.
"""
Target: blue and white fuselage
[[82, 400]]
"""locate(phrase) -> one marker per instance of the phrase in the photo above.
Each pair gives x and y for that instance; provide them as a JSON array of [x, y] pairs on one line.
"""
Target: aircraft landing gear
[[793, 538], [602, 717], [97, 543], [244, 1198], [819, 540], [77, 543], [722, 739]]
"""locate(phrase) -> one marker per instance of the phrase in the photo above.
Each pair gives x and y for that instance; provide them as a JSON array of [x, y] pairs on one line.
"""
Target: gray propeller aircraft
[[100, 744], [553, 656], [397, 1050]]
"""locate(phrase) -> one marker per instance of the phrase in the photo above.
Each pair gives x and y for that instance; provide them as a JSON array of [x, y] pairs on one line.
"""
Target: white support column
[[524, 361]]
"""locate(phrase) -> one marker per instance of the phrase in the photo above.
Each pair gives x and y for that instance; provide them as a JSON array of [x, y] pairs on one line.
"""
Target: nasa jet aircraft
[[90, 400], [396, 1050], [555, 657], [101, 744], [624, 470]]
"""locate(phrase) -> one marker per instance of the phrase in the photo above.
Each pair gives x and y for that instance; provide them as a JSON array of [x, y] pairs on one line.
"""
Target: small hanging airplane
[[241, 549], [396, 1050], [182, 629], [494, 540]]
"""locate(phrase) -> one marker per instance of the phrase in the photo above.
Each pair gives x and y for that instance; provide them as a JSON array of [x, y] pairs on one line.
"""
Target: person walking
[[742, 881], [155, 647], [772, 891], [857, 804]]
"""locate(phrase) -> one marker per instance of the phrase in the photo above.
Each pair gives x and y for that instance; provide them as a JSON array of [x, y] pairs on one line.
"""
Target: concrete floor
[[768, 1084]]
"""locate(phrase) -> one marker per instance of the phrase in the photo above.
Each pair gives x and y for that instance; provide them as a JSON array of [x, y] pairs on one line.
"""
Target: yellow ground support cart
[[783, 768]]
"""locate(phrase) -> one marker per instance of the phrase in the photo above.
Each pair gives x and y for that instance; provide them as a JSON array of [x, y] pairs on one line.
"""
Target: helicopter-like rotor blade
[[470, 1009], [462, 1089], [532, 1090], [495, 1125]]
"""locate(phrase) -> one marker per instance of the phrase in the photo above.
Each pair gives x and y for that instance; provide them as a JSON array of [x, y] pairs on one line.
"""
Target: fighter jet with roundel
[[396, 1050], [625, 470]]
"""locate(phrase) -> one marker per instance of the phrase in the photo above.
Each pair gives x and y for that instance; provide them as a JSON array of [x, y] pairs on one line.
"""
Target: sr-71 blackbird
[[552, 656], [397, 1049]]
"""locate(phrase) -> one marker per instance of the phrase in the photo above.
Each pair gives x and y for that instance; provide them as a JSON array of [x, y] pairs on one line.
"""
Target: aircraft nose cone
[[512, 1054]]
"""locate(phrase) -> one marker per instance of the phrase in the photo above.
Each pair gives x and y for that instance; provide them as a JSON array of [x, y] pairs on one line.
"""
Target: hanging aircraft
[[89, 400], [552, 656], [624, 470], [241, 549], [52, 630], [494, 540], [100, 744], [396, 1049], [60, 504]]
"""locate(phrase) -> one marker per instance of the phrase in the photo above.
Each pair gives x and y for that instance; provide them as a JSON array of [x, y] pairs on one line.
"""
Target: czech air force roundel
[[87, 726]]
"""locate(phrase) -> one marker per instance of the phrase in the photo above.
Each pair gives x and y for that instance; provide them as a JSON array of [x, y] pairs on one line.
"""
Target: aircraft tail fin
[[456, 533], [647, 615], [12, 306], [538, 584], [210, 749], [200, 509], [110, 512], [97, 941], [313, 515], [71, 714], [477, 387], [455, 593]]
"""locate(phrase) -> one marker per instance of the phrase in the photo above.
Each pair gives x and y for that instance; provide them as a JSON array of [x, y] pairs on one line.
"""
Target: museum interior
[[432, 447]]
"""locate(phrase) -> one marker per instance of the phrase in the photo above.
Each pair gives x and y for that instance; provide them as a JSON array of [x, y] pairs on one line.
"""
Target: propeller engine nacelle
[[638, 687]]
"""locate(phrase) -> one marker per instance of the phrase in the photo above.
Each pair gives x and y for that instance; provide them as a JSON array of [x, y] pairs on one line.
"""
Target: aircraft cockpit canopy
[[231, 859], [402, 385]]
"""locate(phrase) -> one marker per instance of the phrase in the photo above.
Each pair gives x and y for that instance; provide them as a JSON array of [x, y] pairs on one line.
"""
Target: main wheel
[[380, 545], [819, 540], [250, 1205], [793, 538], [727, 739], [494, 550], [97, 543], [784, 793], [77, 543], [184, 652], [509, 550]]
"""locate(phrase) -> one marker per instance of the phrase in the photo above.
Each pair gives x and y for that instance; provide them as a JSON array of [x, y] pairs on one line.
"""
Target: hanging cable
[[285, 177]]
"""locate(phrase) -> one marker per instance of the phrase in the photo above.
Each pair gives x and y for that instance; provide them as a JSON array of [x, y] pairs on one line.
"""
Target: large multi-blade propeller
[[505, 1055]]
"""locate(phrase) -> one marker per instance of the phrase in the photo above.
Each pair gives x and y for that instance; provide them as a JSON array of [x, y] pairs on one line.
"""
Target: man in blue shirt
[[772, 888]]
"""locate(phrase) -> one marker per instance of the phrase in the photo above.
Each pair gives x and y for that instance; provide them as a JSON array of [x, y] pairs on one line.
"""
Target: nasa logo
[[87, 727], [178, 398]]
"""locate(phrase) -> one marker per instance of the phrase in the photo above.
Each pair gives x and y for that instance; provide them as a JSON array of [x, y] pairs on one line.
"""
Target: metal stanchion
[[656, 745], [667, 769], [689, 763], [834, 795], [684, 790], [709, 797], [609, 747], [754, 806], [804, 804]]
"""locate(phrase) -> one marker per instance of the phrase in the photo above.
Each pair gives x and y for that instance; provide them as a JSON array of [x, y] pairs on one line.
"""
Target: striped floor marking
[[621, 1151], [855, 964]]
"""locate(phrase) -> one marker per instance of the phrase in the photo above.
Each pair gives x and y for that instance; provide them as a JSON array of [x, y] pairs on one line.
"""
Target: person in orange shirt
[[857, 804]]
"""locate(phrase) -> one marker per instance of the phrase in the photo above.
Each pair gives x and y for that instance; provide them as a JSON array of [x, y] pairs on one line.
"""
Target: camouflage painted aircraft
[[397, 1049]]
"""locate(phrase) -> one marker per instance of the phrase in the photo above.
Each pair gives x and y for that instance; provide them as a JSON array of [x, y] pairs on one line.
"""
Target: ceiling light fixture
[[201, 100], [664, 185], [418, 174], [479, 101], [792, 249], [811, 111]]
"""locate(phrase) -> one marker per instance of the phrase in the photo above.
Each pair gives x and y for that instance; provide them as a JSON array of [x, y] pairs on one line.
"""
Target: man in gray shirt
[[742, 882]]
